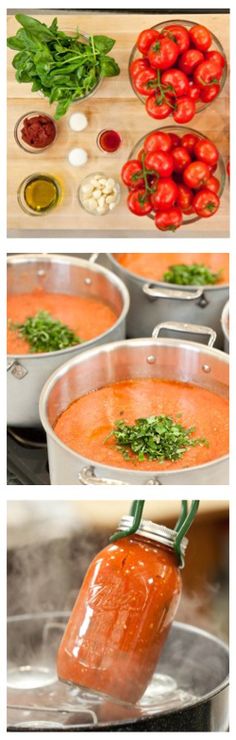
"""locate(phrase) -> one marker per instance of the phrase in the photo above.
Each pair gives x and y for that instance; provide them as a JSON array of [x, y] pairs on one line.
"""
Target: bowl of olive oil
[[38, 194]]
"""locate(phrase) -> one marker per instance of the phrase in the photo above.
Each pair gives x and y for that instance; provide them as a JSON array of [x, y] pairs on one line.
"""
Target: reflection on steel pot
[[170, 359], [56, 274], [225, 326], [157, 301], [188, 693]]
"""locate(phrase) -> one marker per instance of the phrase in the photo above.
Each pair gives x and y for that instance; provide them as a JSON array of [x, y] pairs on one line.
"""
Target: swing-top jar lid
[[156, 532]]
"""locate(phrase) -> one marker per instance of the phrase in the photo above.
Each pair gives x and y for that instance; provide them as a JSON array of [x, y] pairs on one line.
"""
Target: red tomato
[[177, 81], [131, 174], [139, 203], [209, 93], [184, 110], [213, 184], [175, 140], [185, 197], [181, 158], [206, 151], [142, 81], [163, 53], [194, 91], [212, 167], [138, 65], [165, 195], [156, 108], [200, 37], [160, 162], [169, 220], [189, 141], [196, 175], [146, 38], [215, 56], [179, 35], [158, 140], [206, 73], [189, 60], [206, 203]]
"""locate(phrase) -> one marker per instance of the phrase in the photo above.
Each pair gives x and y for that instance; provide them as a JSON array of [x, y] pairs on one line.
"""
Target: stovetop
[[27, 461]]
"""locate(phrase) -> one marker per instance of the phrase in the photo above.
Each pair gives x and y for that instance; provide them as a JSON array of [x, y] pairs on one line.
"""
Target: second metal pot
[[155, 302]]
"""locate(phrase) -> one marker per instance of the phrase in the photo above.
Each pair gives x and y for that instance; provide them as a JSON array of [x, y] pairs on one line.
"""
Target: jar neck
[[154, 545]]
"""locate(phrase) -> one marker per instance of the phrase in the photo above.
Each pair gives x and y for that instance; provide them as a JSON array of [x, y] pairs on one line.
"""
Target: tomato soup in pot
[[154, 266]]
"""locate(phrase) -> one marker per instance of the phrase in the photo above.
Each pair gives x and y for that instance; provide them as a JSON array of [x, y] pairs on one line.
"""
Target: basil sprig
[[195, 274], [46, 334], [64, 68], [154, 438]]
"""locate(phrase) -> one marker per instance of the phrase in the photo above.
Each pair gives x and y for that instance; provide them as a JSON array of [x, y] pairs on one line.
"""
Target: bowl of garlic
[[99, 194]]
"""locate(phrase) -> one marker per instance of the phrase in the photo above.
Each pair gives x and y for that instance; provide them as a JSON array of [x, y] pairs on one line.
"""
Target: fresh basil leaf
[[62, 107], [20, 59], [109, 67], [34, 26], [37, 85], [103, 43], [14, 42], [54, 26]]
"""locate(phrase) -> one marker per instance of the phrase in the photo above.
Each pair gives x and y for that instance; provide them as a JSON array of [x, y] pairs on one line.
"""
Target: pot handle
[[87, 477], [93, 258], [18, 370], [177, 295], [186, 328]]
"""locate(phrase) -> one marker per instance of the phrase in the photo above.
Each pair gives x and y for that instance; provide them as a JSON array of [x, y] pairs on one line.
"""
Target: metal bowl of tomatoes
[[177, 68], [175, 175]]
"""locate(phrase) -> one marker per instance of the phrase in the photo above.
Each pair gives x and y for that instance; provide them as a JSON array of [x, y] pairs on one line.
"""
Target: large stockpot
[[189, 691], [135, 358], [155, 301], [225, 326], [56, 274]]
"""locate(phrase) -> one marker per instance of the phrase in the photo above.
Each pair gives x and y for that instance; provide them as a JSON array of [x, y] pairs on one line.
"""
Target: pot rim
[[162, 284], [62, 370], [224, 319], [76, 262], [190, 628]]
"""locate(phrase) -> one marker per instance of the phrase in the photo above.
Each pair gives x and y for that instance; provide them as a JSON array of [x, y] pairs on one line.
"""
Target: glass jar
[[123, 614]]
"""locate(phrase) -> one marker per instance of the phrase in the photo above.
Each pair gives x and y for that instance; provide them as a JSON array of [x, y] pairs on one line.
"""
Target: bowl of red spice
[[35, 132]]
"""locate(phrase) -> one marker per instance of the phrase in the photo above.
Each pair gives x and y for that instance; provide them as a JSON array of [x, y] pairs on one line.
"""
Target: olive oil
[[41, 193]]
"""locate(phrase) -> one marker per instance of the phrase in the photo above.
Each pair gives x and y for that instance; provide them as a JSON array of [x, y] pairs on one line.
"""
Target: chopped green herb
[[195, 274], [154, 438], [63, 67], [46, 334]]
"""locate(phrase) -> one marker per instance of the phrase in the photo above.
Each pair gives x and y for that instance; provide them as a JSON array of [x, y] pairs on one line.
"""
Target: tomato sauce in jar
[[123, 614]]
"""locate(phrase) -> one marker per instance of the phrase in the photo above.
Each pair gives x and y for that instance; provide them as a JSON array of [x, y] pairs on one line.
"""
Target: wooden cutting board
[[113, 106]]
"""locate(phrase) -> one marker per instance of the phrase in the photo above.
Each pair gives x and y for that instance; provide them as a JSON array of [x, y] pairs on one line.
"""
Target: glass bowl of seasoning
[[35, 132], [38, 194], [109, 141]]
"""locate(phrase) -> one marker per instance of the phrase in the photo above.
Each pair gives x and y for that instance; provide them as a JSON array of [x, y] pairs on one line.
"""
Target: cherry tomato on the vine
[[138, 65], [194, 91], [184, 110], [156, 108], [163, 53], [175, 140], [209, 93], [165, 194], [200, 37], [206, 203], [132, 175], [142, 81], [207, 73], [213, 184], [189, 141], [185, 197], [177, 81], [179, 35], [206, 151], [189, 60], [139, 202], [160, 162], [181, 158], [215, 56], [196, 175], [169, 220], [146, 38], [158, 140]]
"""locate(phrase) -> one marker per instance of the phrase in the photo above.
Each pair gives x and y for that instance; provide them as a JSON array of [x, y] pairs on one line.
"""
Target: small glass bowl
[[106, 151], [22, 188], [23, 144], [180, 131], [216, 46], [86, 180]]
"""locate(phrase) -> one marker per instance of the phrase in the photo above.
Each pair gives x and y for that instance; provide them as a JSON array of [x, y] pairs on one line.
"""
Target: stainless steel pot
[[225, 326], [155, 301], [57, 274], [189, 691], [156, 357]]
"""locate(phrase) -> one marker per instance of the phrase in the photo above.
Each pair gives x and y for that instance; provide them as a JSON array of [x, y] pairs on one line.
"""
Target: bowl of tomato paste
[[35, 132]]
